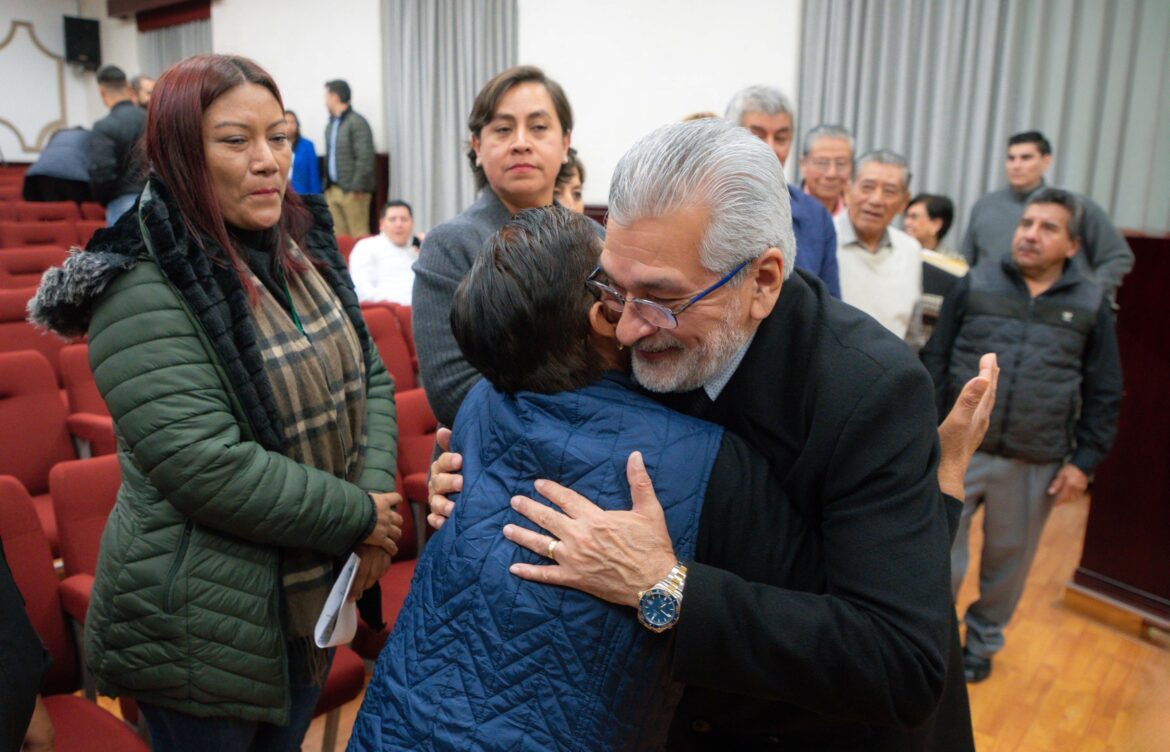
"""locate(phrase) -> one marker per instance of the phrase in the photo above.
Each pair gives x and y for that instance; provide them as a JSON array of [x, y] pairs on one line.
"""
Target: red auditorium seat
[[345, 244], [37, 431], [78, 723], [86, 228], [47, 211], [23, 267], [13, 234], [406, 325], [17, 334], [417, 426], [83, 493], [80, 385], [391, 345], [93, 210], [8, 211]]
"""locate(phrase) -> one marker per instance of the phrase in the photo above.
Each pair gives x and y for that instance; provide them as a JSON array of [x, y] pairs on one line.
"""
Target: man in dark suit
[[858, 647]]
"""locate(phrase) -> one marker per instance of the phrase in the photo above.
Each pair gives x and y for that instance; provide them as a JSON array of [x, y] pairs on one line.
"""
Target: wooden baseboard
[[1122, 616]]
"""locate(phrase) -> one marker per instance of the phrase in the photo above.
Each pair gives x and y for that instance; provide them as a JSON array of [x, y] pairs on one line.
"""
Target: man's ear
[[765, 283]]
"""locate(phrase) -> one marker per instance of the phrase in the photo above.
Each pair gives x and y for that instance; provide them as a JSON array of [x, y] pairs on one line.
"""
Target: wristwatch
[[660, 606]]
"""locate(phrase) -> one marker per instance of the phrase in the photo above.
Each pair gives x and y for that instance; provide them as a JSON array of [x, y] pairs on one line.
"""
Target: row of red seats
[[62, 233], [50, 211]]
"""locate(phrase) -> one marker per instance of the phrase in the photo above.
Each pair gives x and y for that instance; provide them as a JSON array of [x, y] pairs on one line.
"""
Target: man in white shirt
[[381, 264], [880, 266]]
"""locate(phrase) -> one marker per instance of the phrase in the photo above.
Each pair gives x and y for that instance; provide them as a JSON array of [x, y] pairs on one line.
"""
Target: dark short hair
[[1067, 199], [937, 207], [488, 98], [340, 88], [1031, 137], [521, 315], [572, 165], [111, 77], [397, 202]]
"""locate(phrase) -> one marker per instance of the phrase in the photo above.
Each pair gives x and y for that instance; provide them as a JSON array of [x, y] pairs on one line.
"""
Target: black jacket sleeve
[[936, 355], [103, 163], [22, 662], [1101, 387]]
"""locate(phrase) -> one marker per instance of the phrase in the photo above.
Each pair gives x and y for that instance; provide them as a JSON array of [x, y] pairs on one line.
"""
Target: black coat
[[115, 166], [853, 644]]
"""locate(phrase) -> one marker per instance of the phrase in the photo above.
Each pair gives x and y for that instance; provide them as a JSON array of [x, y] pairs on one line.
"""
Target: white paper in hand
[[338, 620]]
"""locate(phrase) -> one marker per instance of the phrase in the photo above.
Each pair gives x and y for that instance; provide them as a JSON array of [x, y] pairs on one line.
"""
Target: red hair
[[174, 150]]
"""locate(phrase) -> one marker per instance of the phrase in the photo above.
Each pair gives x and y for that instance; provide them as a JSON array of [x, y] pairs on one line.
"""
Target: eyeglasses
[[649, 311], [823, 164]]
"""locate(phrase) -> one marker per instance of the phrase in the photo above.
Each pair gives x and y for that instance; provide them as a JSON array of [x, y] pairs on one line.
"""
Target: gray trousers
[[1014, 495]]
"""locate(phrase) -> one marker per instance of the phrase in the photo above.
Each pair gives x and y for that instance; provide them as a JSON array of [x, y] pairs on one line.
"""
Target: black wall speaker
[[83, 44]]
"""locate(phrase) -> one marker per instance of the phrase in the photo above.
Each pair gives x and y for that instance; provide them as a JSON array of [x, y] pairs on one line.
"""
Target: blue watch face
[[658, 608]]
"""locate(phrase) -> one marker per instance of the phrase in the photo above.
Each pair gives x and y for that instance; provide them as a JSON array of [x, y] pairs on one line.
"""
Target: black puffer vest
[[1041, 344]]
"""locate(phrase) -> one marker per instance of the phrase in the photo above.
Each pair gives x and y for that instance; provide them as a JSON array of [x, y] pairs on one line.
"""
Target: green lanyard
[[291, 308]]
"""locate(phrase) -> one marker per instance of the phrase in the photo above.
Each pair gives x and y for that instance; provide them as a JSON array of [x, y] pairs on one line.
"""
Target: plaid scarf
[[318, 379]]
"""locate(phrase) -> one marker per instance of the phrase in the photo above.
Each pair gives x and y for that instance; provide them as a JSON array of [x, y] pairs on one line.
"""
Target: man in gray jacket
[[349, 163], [1103, 254]]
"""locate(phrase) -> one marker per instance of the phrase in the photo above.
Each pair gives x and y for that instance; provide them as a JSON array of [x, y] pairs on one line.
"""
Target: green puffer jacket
[[186, 609]]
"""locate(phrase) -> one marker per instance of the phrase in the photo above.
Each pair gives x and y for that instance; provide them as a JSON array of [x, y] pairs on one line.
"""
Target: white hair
[[717, 166], [766, 99], [827, 131]]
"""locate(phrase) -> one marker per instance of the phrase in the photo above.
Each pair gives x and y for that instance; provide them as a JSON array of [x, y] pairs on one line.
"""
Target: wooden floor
[[1064, 683]]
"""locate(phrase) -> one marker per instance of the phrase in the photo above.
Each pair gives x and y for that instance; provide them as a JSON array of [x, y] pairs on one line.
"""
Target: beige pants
[[351, 211]]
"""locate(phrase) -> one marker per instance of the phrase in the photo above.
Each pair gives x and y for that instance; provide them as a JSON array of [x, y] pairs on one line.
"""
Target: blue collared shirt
[[331, 163]]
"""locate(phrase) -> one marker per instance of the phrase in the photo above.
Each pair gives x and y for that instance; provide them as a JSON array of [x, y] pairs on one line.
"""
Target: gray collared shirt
[[719, 380]]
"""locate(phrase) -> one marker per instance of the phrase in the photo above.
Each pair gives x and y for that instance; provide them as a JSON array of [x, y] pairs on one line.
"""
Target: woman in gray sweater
[[520, 125]]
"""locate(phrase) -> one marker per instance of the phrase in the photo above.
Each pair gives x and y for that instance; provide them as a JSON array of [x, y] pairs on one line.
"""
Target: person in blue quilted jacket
[[479, 658]]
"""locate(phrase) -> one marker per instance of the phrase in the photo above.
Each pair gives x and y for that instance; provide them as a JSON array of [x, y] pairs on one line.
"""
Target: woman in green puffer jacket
[[255, 421]]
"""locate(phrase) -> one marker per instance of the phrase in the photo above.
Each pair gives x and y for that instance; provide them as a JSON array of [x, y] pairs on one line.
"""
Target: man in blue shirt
[[767, 113]]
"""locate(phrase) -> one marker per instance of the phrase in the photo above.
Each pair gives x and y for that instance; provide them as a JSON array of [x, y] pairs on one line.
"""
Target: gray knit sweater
[[1103, 255], [445, 258]]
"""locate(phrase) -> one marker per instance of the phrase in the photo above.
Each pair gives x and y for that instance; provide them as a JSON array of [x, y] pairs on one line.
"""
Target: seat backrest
[[345, 244], [16, 333], [31, 562], [417, 426], [47, 211], [93, 210], [23, 267], [8, 211], [387, 336], [60, 233], [34, 437], [406, 324], [86, 228], [84, 492], [80, 385]]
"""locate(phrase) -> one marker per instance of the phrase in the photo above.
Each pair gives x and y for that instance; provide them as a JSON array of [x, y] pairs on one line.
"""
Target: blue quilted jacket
[[482, 660]]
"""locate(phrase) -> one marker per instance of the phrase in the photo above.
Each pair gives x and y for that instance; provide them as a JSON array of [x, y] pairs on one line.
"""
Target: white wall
[[629, 67], [29, 84], [303, 44]]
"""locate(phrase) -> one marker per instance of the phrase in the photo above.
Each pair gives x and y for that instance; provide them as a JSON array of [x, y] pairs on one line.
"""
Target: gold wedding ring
[[552, 548]]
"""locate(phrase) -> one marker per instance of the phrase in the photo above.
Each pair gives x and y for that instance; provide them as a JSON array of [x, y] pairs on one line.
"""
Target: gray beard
[[696, 367]]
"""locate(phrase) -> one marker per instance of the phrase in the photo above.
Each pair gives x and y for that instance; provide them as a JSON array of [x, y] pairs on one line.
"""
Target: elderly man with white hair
[[768, 114], [856, 645]]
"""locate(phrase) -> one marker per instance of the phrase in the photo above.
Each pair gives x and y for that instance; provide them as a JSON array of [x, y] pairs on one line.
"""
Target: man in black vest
[[1057, 415], [858, 647]]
